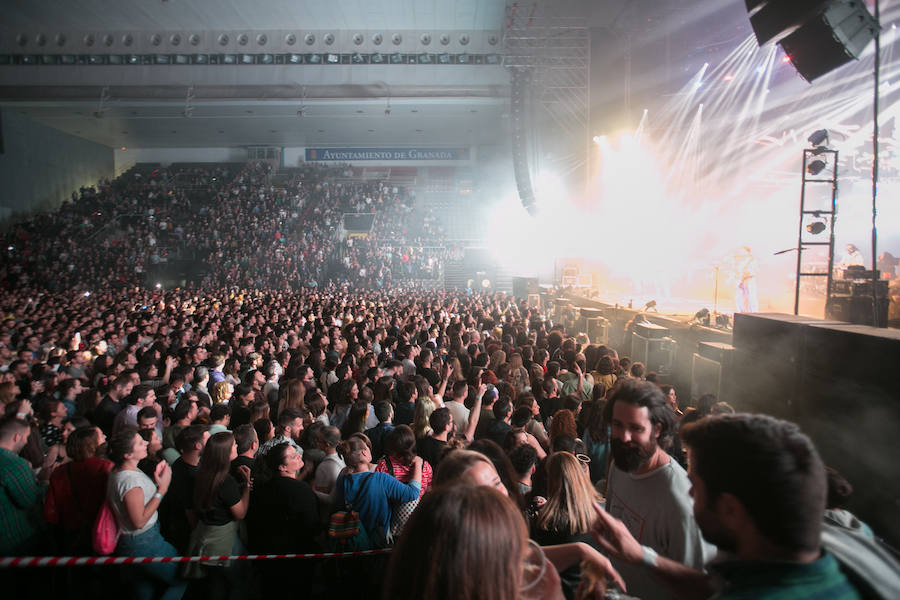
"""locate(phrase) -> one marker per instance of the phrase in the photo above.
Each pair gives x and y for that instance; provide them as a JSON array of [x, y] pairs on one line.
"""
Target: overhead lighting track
[[242, 59]]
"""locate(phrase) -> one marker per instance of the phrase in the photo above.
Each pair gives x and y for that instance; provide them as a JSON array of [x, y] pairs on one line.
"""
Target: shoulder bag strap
[[361, 490]]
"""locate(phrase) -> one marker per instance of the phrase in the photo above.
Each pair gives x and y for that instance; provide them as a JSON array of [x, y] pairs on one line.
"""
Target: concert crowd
[[312, 395]]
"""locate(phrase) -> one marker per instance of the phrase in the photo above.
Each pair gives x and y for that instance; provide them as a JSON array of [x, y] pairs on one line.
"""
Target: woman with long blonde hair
[[569, 512], [221, 392]]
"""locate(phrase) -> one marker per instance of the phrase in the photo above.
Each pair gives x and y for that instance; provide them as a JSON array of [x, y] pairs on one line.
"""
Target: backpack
[[871, 565], [400, 511], [105, 534], [346, 532]]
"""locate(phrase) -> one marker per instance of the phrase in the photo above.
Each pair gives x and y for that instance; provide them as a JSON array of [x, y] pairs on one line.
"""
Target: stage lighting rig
[[817, 138], [816, 166], [816, 227]]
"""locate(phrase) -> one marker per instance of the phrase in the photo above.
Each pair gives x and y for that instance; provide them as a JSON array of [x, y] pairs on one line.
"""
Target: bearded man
[[646, 488]]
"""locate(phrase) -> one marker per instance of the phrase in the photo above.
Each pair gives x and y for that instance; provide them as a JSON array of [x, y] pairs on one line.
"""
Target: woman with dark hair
[[230, 370], [704, 408], [134, 499], [265, 430], [371, 494], [154, 447], [502, 465], [219, 503], [596, 437], [76, 492], [568, 513], [400, 450], [356, 420], [285, 513], [346, 391], [482, 552], [316, 403]]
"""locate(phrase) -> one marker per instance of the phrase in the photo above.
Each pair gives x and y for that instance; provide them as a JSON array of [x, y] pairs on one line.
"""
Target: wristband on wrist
[[158, 495], [649, 557]]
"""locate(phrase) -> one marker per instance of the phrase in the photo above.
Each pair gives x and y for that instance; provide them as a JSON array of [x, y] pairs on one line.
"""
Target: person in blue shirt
[[370, 493]]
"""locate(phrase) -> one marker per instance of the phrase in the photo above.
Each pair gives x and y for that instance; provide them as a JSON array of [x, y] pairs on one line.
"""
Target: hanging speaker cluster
[[817, 35], [521, 78]]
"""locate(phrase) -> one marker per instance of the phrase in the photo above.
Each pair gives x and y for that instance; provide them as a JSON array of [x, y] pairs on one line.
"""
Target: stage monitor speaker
[[856, 309], [651, 330], [831, 38], [524, 286], [773, 19], [657, 354], [598, 330], [706, 377]]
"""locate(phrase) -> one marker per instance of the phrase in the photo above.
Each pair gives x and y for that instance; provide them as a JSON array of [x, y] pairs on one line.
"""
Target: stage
[[832, 378]]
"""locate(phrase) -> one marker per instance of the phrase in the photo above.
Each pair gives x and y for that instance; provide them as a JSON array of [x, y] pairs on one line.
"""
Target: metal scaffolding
[[557, 52]]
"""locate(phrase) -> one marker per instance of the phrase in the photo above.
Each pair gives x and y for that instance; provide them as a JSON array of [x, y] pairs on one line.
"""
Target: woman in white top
[[134, 499]]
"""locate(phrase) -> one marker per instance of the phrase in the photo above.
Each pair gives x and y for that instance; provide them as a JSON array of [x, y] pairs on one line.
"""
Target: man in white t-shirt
[[647, 489], [457, 406], [328, 470]]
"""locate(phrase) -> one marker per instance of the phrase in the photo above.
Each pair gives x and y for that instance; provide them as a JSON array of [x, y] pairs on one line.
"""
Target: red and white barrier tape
[[72, 561]]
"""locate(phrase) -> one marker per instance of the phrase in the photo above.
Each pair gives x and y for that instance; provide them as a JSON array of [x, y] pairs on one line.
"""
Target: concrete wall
[[42, 166], [167, 156]]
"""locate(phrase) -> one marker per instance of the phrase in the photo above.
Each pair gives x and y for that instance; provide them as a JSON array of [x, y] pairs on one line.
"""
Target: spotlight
[[817, 138], [158, 286], [815, 167], [816, 227]]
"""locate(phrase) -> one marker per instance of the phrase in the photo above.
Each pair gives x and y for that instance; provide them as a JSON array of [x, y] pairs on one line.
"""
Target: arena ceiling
[[237, 105]]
